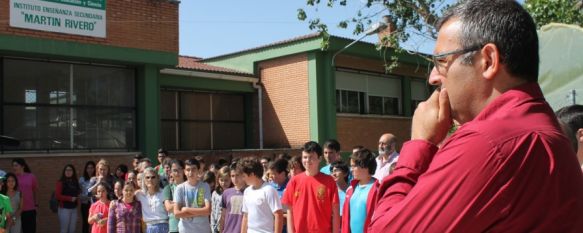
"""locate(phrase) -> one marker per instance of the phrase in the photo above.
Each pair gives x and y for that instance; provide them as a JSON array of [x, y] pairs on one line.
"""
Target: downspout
[[259, 88]]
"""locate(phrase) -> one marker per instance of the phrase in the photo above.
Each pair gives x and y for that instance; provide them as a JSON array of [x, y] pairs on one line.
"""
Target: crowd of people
[[512, 164], [244, 195]]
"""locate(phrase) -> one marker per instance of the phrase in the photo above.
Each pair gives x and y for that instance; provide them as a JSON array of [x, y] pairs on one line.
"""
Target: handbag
[[53, 203]]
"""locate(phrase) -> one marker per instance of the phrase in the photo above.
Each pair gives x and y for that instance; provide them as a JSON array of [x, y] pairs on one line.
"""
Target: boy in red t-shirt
[[312, 197]]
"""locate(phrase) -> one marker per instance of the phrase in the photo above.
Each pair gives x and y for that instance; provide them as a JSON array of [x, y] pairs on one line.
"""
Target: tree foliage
[[558, 11], [409, 17]]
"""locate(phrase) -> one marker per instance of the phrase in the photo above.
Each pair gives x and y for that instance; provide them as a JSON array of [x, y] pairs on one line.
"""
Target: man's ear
[[489, 61], [579, 135]]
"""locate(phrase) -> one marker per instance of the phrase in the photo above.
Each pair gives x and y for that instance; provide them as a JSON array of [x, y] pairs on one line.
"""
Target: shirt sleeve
[[334, 192], [288, 194], [244, 209], [167, 193], [435, 191], [224, 200], [207, 193], [273, 199], [111, 219], [179, 195]]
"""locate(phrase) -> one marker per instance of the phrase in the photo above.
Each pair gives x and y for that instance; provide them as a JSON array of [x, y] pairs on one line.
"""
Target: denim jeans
[[157, 228], [67, 219]]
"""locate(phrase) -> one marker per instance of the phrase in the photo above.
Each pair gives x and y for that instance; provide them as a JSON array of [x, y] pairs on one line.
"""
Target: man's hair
[[279, 165], [341, 165], [332, 144], [504, 23], [364, 159], [139, 157], [296, 160], [162, 151], [572, 118], [266, 157], [145, 160], [250, 165], [192, 162], [358, 147], [312, 146]]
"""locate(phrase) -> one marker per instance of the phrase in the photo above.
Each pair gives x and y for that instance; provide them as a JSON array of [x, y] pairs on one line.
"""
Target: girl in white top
[[152, 198]]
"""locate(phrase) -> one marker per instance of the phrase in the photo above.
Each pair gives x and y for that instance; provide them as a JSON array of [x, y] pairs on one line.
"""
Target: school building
[[82, 82]]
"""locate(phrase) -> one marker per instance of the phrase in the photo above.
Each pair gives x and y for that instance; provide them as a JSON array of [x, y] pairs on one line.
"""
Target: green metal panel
[[368, 50], [245, 61], [205, 84], [322, 97], [148, 108], [56, 49]]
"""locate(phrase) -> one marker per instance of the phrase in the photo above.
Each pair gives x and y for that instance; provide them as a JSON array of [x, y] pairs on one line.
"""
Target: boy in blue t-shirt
[[193, 201]]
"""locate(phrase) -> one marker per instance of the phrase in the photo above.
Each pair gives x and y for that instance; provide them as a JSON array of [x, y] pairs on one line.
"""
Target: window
[[419, 92], [383, 105], [365, 93], [194, 120], [63, 106], [349, 101]]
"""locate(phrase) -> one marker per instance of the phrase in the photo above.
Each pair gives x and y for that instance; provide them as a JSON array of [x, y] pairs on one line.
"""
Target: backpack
[[53, 203]]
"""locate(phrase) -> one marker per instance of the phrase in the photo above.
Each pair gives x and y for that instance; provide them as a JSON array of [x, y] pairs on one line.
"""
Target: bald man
[[387, 155]]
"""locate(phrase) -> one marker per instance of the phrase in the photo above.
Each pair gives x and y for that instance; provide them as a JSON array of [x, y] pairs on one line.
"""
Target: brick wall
[[366, 130], [48, 169], [285, 101], [142, 24]]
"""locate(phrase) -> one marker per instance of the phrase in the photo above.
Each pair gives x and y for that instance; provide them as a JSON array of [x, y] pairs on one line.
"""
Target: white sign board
[[79, 17]]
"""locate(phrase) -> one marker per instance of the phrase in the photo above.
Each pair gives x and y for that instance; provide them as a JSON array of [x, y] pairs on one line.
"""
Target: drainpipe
[[259, 88]]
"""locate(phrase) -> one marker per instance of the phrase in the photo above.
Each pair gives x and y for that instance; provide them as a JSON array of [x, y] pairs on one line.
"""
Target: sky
[[216, 27]]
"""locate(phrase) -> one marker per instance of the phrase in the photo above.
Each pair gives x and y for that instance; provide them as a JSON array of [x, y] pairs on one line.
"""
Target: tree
[[559, 11], [409, 17]]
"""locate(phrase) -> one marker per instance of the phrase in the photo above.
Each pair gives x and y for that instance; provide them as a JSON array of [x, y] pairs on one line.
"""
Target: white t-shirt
[[152, 206], [259, 205]]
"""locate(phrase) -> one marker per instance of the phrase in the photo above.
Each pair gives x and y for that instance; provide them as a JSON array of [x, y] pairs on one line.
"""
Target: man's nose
[[434, 77]]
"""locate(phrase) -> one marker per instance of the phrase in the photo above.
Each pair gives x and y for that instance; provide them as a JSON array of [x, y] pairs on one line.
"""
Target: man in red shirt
[[508, 167]]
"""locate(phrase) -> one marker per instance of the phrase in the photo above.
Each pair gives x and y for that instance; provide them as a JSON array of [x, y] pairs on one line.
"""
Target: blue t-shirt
[[326, 170], [278, 188], [342, 197], [358, 207]]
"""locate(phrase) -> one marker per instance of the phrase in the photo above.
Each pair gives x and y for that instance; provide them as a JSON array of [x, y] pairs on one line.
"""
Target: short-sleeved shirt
[[27, 184], [341, 198], [326, 169], [153, 209], [187, 195], [311, 198], [232, 202], [259, 205], [5, 208], [99, 207], [172, 221], [358, 207]]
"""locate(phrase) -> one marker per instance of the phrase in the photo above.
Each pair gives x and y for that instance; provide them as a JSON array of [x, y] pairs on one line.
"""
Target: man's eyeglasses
[[441, 60]]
